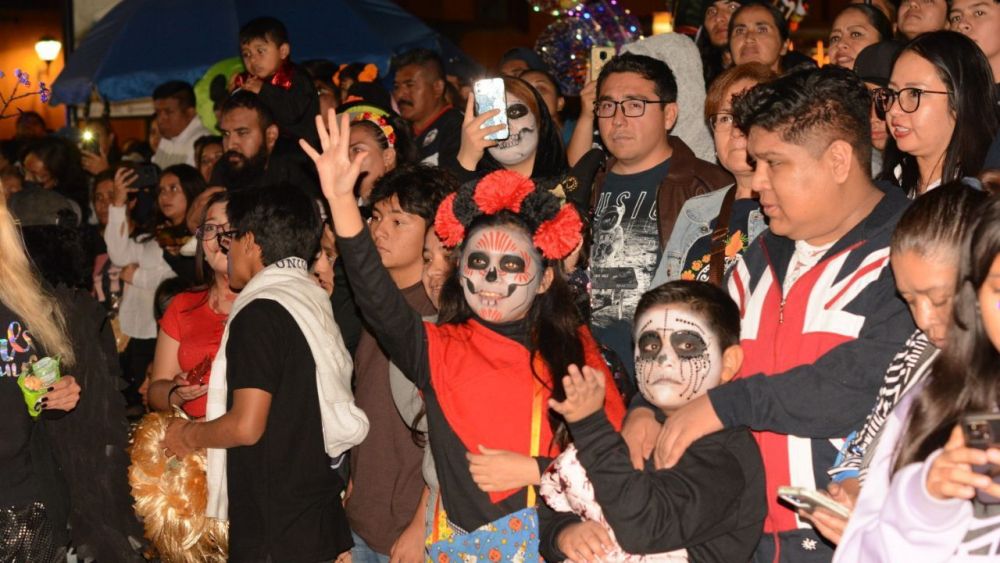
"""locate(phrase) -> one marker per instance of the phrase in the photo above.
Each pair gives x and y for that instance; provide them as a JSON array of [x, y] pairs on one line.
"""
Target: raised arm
[[398, 328]]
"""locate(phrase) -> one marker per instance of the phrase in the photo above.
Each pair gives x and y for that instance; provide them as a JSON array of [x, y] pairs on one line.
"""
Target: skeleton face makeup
[[501, 272], [677, 358], [523, 140]]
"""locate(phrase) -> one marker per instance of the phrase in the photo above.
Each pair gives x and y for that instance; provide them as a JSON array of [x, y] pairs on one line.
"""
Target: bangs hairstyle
[[875, 17], [283, 219], [525, 92], [757, 72], [266, 28], [705, 300], [829, 103], [937, 222], [968, 78], [965, 378], [654, 70], [418, 187]]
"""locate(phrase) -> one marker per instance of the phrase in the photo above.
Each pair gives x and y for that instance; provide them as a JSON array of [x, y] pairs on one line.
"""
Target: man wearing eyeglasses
[[637, 198]]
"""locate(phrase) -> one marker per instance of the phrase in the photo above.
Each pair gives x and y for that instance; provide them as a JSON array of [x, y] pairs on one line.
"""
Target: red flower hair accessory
[[447, 227], [500, 190], [558, 236], [555, 226]]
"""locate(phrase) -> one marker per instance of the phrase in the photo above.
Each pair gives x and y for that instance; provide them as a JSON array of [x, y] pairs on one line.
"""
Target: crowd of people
[[368, 326]]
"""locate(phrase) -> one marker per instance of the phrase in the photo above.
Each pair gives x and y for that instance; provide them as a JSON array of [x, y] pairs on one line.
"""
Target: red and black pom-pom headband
[[555, 225]]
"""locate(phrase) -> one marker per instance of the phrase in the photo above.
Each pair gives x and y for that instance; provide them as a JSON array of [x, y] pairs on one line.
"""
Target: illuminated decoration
[[663, 22], [48, 49], [565, 44]]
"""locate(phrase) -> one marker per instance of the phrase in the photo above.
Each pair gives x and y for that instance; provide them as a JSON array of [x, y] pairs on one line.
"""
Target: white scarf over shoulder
[[345, 425]]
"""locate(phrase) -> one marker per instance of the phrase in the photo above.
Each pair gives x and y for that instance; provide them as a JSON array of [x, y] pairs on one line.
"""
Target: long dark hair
[[965, 378], [191, 183], [204, 275], [550, 156], [967, 76], [553, 319]]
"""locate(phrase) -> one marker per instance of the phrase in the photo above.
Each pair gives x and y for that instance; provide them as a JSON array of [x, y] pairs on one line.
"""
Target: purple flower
[[22, 77], [2, 74], [44, 95]]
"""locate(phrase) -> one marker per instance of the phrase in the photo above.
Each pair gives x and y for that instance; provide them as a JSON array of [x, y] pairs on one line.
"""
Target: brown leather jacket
[[688, 176]]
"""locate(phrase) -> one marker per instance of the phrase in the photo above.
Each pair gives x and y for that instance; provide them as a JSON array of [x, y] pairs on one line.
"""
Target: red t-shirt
[[191, 322]]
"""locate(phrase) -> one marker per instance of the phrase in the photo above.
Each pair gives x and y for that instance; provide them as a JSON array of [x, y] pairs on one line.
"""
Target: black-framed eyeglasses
[[721, 122], [909, 99], [209, 231], [225, 238], [630, 108]]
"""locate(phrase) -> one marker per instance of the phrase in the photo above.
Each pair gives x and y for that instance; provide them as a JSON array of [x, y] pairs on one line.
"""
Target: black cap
[[874, 62], [533, 59]]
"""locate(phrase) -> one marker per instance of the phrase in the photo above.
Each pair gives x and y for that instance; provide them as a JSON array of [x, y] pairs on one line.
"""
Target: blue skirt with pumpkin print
[[513, 538]]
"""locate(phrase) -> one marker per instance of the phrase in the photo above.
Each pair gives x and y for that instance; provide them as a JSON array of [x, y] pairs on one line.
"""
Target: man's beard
[[236, 171]]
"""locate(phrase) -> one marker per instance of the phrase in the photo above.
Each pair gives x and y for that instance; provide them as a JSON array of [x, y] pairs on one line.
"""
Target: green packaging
[[35, 381]]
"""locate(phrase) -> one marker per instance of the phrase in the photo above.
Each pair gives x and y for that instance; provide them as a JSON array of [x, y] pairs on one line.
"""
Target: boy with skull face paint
[[711, 506], [508, 330]]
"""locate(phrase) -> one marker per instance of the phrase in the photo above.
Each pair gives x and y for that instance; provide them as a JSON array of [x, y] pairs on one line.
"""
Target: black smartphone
[[148, 176], [982, 431]]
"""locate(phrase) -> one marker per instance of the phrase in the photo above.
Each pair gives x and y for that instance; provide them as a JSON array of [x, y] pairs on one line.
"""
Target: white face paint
[[677, 358], [501, 273], [523, 140]]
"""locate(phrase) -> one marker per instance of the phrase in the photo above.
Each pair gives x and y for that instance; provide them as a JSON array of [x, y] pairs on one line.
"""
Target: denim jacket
[[693, 223]]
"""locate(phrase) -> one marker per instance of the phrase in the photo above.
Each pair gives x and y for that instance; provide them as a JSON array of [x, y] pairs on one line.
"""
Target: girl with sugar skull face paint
[[507, 333], [533, 147]]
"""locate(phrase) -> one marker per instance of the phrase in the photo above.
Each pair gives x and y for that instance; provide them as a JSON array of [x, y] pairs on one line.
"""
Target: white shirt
[[136, 310], [806, 256], [180, 149]]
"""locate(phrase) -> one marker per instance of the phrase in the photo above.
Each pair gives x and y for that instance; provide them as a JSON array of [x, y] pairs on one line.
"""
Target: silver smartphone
[[809, 500], [490, 94]]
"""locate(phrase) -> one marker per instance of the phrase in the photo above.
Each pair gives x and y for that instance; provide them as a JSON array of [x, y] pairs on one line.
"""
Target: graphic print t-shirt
[[17, 349], [624, 254]]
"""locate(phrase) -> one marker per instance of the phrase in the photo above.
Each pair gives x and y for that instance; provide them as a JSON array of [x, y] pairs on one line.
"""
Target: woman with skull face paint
[[484, 375], [533, 148]]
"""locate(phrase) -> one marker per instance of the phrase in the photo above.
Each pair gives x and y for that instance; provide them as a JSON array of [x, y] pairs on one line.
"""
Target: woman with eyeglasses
[[532, 148], [191, 328], [143, 256], [715, 229], [940, 107]]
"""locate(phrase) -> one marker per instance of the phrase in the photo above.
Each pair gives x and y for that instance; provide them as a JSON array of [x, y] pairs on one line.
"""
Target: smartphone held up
[[489, 95]]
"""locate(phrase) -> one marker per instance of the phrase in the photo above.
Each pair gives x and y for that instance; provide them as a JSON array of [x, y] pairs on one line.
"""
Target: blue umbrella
[[140, 44]]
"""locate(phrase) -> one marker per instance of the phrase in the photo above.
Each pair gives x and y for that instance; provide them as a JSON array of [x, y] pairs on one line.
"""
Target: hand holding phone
[[809, 500], [599, 56], [982, 431], [490, 94]]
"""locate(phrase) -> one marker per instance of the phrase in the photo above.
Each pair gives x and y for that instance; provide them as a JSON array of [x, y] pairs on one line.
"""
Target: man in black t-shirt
[[637, 199], [284, 498], [419, 89]]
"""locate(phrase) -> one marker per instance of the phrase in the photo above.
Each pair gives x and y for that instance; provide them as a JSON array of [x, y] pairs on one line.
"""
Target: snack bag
[[35, 382]]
